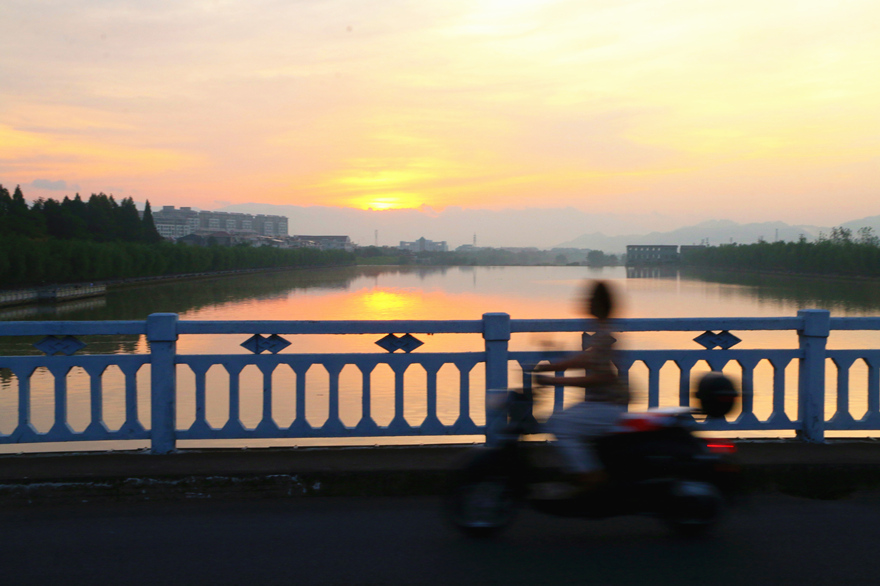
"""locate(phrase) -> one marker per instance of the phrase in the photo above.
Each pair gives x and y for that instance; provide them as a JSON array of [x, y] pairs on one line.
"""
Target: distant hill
[[537, 227], [871, 222], [711, 231]]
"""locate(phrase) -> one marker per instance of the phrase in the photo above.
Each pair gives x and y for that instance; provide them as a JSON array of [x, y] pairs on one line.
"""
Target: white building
[[176, 223], [424, 245]]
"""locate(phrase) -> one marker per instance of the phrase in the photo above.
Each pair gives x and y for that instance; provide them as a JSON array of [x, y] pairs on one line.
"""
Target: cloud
[[59, 185]]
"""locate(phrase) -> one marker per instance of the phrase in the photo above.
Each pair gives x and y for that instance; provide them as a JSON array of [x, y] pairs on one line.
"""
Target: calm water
[[423, 293]]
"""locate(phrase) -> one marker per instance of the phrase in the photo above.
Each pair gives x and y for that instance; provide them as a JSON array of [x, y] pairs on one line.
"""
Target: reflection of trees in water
[[182, 296], [849, 295], [24, 345]]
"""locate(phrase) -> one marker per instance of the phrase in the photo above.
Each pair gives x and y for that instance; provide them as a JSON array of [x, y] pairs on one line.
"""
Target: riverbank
[[26, 296], [831, 470], [778, 274], [58, 294]]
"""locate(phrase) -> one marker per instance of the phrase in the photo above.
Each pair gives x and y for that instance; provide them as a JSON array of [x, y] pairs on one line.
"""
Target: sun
[[391, 201]]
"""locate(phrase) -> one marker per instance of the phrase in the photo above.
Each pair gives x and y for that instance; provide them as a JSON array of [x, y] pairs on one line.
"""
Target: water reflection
[[651, 273], [840, 296]]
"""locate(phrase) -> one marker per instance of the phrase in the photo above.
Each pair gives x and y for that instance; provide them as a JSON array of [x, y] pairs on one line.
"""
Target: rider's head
[[599, 302]]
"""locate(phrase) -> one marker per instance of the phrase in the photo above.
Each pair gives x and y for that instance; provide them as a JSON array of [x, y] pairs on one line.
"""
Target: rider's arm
[[590, 379], [578, 360]]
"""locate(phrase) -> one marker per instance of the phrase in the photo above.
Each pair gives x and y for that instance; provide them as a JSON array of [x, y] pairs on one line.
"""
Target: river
[[423, 293]]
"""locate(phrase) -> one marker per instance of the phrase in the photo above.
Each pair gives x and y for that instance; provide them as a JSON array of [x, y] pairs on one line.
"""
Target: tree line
[[100, 219], [98, 240], [840, 253]]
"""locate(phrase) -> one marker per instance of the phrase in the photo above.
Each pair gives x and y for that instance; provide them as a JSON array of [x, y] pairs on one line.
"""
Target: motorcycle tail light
[[721, 446]]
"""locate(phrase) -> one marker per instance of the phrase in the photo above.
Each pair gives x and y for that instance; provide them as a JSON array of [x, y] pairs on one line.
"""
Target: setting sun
[[395, 201]]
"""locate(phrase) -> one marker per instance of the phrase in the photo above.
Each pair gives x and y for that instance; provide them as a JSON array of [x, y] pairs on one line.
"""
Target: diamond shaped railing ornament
[[67, 345], [586, 337], [258, 344], [392, 343], [724, 340]]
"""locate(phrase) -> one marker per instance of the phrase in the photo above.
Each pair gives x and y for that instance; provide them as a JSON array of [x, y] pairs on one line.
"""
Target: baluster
[[366, 425], [333, 423], [873, 391], [234, 421], [464, 398], [267, 421], [432, 422], [60, 428], [653, 382], [25, 429], [96, 426], [684, 381], [842, 414], [300, 422], [559, 394], [132, 423], [778, 391], [398, 423], [201, 398], [747, 415]]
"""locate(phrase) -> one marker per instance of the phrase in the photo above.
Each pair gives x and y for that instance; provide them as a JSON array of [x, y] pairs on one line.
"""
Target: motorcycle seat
[[652, 420]]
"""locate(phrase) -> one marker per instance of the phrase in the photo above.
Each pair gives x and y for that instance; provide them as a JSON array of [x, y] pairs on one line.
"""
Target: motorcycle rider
[[605, 397]]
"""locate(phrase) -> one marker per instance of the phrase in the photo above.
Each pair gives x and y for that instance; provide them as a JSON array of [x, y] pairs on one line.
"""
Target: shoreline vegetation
[[840, 255], [99, 240]]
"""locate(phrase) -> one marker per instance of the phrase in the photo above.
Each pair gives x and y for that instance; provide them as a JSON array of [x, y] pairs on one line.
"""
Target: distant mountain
[[538, 227], [872, 222], [711, 232]]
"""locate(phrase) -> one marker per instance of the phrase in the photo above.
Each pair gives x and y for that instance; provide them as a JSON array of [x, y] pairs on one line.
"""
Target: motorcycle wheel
[[694, 509], [481, 507]]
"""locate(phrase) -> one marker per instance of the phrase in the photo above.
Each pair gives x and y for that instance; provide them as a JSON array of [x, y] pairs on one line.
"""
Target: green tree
[[128, 222], [148, 226]]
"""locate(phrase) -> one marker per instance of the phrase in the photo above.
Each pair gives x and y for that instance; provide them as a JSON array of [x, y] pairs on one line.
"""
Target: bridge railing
[[163, 361]]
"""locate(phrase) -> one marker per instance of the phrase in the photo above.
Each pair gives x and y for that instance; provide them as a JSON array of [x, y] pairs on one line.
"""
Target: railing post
[[162, 336], [811, 374], [496, 333]]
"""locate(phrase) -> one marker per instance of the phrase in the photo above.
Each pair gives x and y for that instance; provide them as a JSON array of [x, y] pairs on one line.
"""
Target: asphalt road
[[771, 539]]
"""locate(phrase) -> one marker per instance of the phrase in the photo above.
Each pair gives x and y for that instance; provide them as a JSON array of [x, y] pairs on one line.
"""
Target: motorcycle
[[655, 463]]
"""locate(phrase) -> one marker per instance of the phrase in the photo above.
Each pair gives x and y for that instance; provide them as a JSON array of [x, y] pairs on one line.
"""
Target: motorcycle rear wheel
[[481, 507]]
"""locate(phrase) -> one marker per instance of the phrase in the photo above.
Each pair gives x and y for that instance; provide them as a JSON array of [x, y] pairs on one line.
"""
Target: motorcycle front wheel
[[481, 507], [694, 508]]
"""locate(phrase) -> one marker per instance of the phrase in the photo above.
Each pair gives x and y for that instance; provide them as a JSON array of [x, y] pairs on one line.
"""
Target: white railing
[[162, 332]]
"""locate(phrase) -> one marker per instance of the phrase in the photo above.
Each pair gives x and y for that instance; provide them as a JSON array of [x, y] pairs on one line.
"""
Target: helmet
[[716, 394]]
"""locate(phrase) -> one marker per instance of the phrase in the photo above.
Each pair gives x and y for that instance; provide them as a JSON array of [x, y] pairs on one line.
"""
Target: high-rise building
[[176, 223]]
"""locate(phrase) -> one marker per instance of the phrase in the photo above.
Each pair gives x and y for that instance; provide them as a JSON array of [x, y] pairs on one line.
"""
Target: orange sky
[[727, 109]]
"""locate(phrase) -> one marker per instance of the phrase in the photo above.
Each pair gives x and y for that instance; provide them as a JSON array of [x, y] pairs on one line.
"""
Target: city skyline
[[740, 110]]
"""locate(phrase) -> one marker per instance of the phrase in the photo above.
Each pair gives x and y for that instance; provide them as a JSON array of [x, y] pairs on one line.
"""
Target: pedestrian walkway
[[822, 470]]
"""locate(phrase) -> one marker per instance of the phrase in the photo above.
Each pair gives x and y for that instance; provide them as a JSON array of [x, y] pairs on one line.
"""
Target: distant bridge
[[266, 342]]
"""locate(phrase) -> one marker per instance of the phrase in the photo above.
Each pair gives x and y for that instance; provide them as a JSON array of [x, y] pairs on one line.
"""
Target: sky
[[738, 109]]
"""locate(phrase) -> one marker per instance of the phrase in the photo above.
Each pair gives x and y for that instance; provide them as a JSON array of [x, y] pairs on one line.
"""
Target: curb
[[823, 471]]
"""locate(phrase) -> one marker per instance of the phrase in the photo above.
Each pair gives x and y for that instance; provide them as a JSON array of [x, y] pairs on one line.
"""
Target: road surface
[[771, 539]]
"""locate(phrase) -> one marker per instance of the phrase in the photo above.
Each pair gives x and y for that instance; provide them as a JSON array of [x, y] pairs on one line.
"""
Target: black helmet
[[716, 394]]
